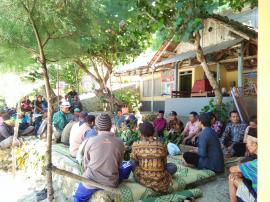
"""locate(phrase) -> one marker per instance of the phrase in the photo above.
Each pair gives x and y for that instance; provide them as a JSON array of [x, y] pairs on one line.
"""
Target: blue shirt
[[249, 171], [209, 151], [118, 121], [92, 132]]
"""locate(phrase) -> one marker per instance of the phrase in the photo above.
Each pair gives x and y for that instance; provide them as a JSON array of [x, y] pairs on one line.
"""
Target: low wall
[[158, 105], [184, 106]]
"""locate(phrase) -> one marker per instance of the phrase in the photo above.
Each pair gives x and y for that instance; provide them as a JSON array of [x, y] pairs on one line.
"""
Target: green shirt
[[59, 121]]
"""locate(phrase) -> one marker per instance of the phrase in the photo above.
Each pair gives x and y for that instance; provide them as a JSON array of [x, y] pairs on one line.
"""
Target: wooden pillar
[[240, 67], [152, 92], [176, 76], [218, 73]]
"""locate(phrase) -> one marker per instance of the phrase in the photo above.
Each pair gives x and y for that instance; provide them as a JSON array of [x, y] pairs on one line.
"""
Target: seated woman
[[215, 124], [149, 157], [209, 154]]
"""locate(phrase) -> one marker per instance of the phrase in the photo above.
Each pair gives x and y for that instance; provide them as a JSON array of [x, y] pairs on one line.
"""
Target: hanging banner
[[167, 80]]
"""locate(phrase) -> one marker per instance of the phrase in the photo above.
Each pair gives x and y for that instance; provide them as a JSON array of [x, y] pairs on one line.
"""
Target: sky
[[12, 88]]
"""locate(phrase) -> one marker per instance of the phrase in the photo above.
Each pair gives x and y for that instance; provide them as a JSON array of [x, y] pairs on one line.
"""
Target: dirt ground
[[214, 191]]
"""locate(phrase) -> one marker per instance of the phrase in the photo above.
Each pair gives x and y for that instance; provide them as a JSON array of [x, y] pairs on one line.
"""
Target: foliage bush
[[150, 116], [129, 98], [220, 111]]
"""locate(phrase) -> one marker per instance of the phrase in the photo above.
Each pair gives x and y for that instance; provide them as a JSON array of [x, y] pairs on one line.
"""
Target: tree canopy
[[182, 20]]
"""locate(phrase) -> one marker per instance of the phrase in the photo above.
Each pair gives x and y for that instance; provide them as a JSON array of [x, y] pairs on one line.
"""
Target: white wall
[[183, 106]]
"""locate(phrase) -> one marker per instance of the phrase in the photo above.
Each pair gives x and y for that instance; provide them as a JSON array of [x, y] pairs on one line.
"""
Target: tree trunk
[[103, 90], [49, 133], [209, 75], [42, 61], [15, 137]]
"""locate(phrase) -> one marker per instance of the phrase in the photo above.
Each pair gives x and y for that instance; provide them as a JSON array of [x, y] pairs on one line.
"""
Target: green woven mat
[[129, 189], [175, 197]]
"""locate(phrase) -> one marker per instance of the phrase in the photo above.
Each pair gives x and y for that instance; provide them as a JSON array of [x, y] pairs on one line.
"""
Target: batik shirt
[[234, 133], [151, 156], [176, 125]]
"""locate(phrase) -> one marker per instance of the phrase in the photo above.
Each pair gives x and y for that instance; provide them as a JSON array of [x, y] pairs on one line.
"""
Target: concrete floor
[[215, 191]]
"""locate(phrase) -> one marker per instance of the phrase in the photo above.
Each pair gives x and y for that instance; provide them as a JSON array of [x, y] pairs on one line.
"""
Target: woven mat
[[129, 190]]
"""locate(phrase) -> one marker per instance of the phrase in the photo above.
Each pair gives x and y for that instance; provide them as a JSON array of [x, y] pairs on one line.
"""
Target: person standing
[[73, 92]]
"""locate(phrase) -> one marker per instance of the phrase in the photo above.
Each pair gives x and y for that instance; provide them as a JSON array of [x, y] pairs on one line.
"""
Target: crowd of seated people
[[109, 148], [213, 144], [32, 118], [27, 123]]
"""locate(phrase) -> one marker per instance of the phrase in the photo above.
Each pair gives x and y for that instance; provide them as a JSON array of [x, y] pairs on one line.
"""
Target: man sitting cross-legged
[[209, 154], [149, 157], [102, 160], [243, 178], [233, 135], [192, 129]]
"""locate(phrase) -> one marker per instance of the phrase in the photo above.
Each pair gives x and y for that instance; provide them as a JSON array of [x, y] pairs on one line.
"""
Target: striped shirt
[[249, 171]]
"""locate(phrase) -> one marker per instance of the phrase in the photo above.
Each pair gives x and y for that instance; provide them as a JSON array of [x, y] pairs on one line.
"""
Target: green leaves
[[184, 16], [221, 111], [128, 98]]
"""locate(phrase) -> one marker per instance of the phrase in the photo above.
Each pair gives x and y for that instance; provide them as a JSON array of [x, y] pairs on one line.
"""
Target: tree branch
[[33, 6], [95, 68], [46, 39], [81, 65], [38, 39]]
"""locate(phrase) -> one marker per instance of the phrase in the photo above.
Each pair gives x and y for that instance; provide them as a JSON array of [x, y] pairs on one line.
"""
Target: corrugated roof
[[206, 50]]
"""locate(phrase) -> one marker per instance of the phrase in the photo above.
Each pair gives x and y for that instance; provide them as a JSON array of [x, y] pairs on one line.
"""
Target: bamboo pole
[[88, 182]]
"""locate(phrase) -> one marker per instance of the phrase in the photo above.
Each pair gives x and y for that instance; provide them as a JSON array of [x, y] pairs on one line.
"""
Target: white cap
[[65, 104]]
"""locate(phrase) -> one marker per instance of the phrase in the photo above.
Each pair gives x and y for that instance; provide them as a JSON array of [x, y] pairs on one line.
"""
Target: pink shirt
[[160, 124], [192, 128]]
